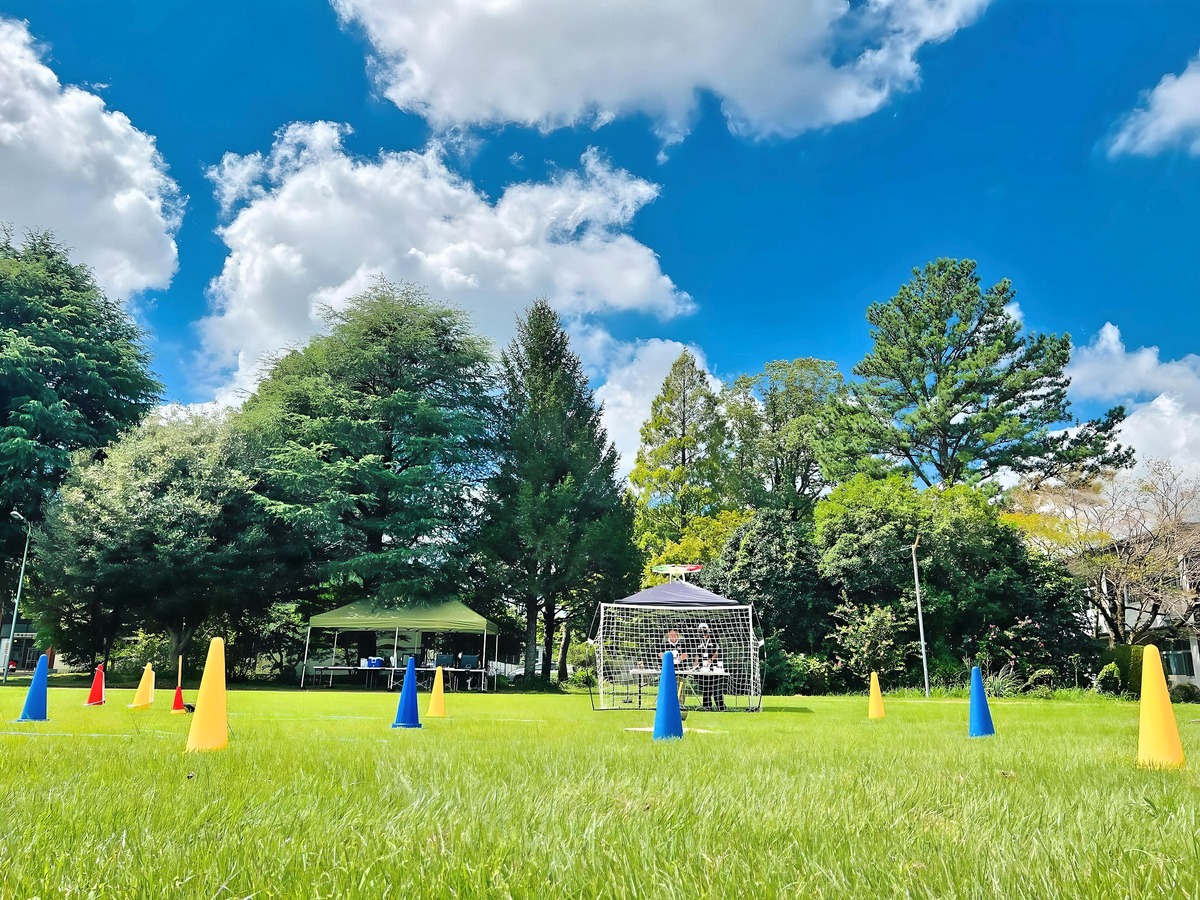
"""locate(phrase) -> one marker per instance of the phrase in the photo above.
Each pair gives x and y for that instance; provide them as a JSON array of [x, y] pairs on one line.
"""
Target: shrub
[[582, 678], [1185, 693], [1004, 683], [1109, 679], [794, 673], [1041, 692]]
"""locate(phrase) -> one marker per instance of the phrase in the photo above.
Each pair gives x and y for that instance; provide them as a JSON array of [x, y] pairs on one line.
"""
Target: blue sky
[[744, 182]]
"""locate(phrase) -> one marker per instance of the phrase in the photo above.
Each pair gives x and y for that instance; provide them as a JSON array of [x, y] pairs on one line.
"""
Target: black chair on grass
[[469, 663]]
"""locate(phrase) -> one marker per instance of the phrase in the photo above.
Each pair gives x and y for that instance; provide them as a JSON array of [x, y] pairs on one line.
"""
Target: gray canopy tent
[[441, 618]]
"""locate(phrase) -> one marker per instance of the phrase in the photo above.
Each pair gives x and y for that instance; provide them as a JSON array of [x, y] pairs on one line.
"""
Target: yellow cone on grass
[[875, 704], [145, 692], [210, 724], [437, 699], [1158, 736]]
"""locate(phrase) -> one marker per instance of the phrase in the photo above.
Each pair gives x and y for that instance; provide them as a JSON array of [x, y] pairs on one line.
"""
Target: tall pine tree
[[680, 469], [558, 533]]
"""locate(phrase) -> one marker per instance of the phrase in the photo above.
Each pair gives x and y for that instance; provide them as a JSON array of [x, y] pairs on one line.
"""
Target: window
[[1177, 659]]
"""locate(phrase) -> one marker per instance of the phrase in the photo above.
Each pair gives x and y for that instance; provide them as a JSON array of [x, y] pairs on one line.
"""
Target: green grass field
[[538, 796]]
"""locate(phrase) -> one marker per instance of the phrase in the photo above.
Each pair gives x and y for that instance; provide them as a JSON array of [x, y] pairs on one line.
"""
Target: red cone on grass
[[96, 694], [177, 706]]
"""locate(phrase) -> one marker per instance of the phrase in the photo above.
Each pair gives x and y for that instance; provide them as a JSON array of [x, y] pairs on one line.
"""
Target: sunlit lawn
[[538, 796]]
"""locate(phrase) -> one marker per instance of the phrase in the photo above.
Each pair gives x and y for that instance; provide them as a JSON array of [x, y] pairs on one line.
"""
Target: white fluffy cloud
[[1169, 116], [311, 224], [634, 376], [69, 164], [1163, 396], [778, 68]]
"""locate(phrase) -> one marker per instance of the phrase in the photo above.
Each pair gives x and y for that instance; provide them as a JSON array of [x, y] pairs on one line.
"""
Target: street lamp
[[12, 634], [920, 617]]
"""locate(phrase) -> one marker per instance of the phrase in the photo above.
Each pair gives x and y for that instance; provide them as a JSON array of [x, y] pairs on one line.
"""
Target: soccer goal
[[714, 641]]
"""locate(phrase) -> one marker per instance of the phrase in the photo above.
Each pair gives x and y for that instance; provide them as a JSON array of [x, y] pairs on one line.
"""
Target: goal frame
[[624, 677]]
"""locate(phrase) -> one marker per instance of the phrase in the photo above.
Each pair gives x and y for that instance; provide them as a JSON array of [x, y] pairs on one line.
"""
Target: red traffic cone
[[177, 706], [96, 695]]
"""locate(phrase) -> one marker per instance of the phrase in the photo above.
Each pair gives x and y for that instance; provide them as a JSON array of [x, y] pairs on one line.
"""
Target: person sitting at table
[[673, 644], [708, 656]]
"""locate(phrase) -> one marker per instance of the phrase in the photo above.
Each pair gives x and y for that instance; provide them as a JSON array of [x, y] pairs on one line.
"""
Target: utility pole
[[920, 616], [12, 633]]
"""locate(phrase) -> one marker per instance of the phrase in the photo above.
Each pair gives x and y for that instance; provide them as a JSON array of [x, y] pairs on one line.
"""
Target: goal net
[[713, 640]]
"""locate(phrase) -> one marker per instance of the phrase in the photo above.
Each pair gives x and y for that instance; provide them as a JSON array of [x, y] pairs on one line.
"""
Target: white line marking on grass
[[87, 734], [686, 730]]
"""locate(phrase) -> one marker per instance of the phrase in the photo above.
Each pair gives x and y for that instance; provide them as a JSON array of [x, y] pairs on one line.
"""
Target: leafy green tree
[[953, 392], [701, 542], [73, 374], [976, 572], [680, 469], [872, 639], [377, 440], [771, 561], [163, 534], [776, 422], [559, 531]]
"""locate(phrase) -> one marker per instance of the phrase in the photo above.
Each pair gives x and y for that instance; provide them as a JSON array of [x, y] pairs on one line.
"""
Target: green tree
[[701, 542], [377, 440], [776, 421], [976, 572], [162, 534], [680, 468], [954, 392], [73, 374], [872, 639], [558, 530], [771, 561]]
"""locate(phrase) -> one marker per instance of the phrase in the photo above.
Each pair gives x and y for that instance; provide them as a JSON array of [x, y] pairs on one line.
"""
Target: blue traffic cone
[[668, 722], [981, 717], [406, 712], [35, 700]]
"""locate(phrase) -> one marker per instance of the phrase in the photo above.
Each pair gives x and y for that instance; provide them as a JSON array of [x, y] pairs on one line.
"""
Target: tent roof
[[677, 593], [368, 615]]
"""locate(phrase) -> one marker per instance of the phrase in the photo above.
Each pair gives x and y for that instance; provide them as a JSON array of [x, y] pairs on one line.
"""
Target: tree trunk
[[531, 614], [181, 635], [548, 613], [563, 646]]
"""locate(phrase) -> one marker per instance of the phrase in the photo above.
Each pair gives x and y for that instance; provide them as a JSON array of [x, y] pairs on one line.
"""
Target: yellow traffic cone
[[437, 700], [875, 704], [1158, 737], [145, 692], [210, 724]]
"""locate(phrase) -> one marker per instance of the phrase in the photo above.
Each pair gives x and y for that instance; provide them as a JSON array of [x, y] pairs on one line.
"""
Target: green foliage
[[377, 438], [983, 590], [1185, 693], [680, 469], [1128, 659], [787, 673], [1003, 683], [1109, 679], [776, 421], [953, 392], [73, 374], [872, 639], [559, 536], [162, 534], [770, 561], [703, 539]]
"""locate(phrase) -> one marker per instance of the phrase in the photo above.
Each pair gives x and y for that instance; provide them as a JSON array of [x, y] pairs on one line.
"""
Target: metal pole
[[333, 657], [12, 633], [920, 616], [395, 650], [304, 665]]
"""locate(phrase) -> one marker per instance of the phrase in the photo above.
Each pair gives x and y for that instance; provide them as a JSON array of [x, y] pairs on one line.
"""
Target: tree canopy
[[376, 440], [74, 373], [558, 529], [954, 391]]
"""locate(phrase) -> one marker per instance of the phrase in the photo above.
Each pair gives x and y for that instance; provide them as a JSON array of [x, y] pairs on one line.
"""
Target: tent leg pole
[[333, 657], [304, 665]]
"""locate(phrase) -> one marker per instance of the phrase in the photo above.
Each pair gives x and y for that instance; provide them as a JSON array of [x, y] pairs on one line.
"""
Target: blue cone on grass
[[668, 722], [981, 717], [406, 712], [35, 700]]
